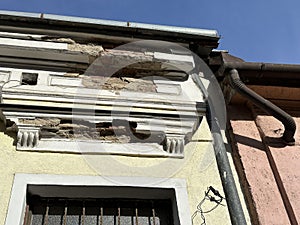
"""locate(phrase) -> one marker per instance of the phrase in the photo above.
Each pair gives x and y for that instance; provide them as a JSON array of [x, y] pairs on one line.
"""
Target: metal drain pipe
[[267, 106], [236, 212], [235, 209]]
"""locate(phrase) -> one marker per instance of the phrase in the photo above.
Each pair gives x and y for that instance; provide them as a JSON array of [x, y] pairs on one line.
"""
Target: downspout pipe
[[267, 106], [235, 209]]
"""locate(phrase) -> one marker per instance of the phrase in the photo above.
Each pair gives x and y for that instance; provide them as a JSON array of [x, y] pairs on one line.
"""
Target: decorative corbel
[[28, 136]]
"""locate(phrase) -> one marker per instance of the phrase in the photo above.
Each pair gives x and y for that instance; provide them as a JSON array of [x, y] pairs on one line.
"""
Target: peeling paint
[[91, 49], [118, 83]]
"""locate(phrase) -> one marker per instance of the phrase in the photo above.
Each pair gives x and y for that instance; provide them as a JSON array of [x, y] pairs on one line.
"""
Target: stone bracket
[[28, 136], [174, 144]]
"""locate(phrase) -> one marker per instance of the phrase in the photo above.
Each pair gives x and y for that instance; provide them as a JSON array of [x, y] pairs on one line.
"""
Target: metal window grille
[[54, 211]]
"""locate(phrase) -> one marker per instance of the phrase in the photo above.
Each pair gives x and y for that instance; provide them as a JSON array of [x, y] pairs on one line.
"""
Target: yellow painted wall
[[198, 168]]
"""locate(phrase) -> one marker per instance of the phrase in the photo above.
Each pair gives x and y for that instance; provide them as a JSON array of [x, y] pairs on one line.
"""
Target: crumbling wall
[[118, 83], [71, 129]]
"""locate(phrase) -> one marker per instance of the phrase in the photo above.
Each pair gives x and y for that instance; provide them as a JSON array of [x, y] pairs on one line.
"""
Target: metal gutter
[[107, 32], [257, 73], [154, 27], [264, 67], [268, 73], [72, 19], [15, 13], [136, 29]]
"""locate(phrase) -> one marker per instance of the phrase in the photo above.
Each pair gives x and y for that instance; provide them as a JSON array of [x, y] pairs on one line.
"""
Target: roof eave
[[77, 27]]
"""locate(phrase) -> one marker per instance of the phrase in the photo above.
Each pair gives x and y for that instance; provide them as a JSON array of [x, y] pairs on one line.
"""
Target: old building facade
[[106, 122]]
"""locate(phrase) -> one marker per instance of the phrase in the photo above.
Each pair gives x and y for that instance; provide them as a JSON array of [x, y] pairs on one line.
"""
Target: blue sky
[[264, 31]]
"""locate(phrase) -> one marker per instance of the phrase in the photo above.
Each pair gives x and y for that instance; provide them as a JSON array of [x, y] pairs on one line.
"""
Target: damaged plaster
[[90, 49], [118, 83]]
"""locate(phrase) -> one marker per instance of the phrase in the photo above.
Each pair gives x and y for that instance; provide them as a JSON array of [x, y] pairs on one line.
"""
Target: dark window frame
[[156, 209]]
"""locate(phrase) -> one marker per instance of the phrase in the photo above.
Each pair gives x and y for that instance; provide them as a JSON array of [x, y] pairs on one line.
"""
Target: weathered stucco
[[268, 168], [284, 161], [60, 68], [264, 200], [198, 168]]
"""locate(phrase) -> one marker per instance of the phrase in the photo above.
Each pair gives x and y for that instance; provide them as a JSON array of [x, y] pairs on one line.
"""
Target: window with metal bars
[[59, 211]]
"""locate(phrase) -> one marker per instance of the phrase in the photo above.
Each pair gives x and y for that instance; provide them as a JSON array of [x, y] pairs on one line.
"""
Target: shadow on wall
[[245, 114], [9, 128]]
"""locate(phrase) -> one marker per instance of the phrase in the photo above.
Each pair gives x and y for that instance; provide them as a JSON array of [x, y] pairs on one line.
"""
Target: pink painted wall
[[269, 171]]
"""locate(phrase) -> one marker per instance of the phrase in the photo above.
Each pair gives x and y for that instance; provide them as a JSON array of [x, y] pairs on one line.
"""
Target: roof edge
[[129, 25]]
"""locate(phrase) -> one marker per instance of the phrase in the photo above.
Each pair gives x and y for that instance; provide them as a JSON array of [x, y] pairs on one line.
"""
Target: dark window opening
[[29, 78], [58, 211]]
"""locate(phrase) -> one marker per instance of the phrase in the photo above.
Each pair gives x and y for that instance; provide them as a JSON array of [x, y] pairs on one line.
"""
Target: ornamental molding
[[58, 112]]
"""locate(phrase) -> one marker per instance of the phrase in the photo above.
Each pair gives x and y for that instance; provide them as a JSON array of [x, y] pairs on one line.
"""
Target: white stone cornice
[[169, 114]]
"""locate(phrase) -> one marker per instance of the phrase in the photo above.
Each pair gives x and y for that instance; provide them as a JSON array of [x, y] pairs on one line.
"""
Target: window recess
[[57, 211], [58, 196]]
